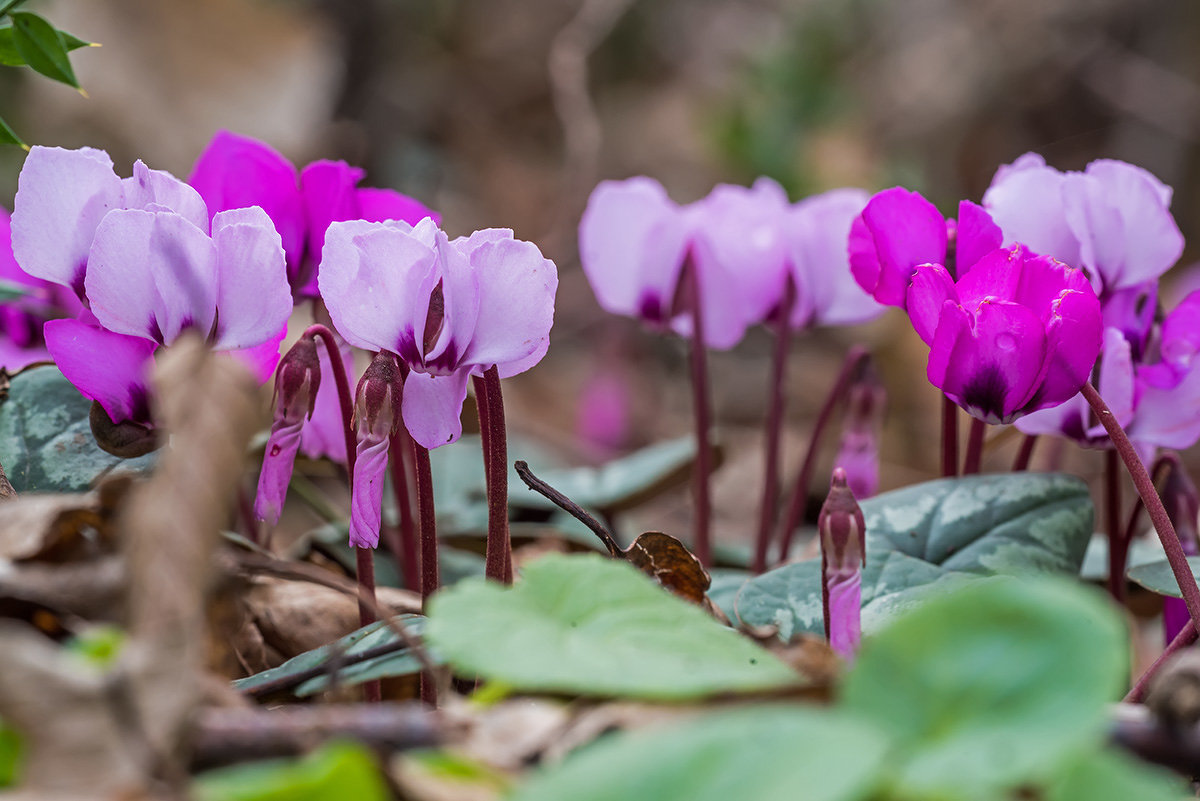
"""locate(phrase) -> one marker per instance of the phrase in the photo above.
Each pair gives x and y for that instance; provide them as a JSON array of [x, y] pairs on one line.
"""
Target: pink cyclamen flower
[[1113, 220], [236, 171], [842, 533], [143, 255], [899, 230], [1017, 333], [447, 309]]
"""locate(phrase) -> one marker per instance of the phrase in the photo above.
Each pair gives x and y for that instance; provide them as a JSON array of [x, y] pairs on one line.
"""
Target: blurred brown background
[[506, 112]]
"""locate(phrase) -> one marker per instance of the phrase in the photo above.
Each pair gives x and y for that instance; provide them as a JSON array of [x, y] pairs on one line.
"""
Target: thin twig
[[569, 506]]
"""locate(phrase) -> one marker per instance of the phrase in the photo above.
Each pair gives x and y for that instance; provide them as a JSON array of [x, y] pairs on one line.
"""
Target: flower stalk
[[702, 414], [498, 559], [770, 498]]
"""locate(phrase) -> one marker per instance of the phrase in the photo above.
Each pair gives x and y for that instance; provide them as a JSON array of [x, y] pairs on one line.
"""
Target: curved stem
[[799, 499], [498, 560], [345, 399], [1185, 637], [430, 578], [1021, 463], [700, 536], [770, 497], [1154, 505], [949, 438], [365, 564], [570, 507], [974, 455]]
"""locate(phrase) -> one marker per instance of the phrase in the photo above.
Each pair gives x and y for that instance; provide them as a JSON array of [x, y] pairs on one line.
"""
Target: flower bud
[[842, 533], [858, 453], [297, 380], [376, 418], [296, 383]]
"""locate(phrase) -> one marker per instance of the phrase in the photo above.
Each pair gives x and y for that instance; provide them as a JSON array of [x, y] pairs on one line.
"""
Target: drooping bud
[[376, 418], [858, 453], [1182, 502], [296, 382], [128, 440], [842, 533]]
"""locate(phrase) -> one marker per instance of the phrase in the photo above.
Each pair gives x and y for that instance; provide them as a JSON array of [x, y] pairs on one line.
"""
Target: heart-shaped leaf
[[1158, 576], [46, 441], [757, 753], [1000, 683], [935, 534], [593, 625]]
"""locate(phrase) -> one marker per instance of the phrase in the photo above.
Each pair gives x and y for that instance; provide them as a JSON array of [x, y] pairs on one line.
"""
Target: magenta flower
[[448, 310], [899, 230], [235, 171], [1016, 333], [140, 251], [1113, 220]]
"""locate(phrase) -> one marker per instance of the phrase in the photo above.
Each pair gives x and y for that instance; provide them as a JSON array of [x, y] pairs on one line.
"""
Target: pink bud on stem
[[842, 533]]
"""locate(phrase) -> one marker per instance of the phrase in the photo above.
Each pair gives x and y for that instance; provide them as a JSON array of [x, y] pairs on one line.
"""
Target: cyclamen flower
[[140, 252], [236, 171], [743, 243], [1017, 333], [1113, 220], [447, 309]]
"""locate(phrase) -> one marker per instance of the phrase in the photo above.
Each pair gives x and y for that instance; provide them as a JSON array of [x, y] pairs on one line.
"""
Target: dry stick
[[770, 498], [1185, 637], [569, 506], [700, 537], [974, 457], [1112, 522], [799, 499], [1021, 463], [404, 543], [1154, 505], [498, 559], [949, 438]]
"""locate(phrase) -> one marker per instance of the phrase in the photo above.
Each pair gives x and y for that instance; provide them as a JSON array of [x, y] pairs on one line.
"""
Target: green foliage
[[596, 626], [46, 441], [99, 646], [10, 755], [761, 753], [1158, 577], [1110, 775], [335, 772], [931, 536]]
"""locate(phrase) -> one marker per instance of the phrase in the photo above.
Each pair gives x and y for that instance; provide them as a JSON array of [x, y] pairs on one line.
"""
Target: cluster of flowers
[[227, 254]]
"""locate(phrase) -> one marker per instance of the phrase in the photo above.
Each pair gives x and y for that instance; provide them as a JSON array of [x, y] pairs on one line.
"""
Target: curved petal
[[237, 171], [370, 275], [1073, 339], [432, 407], [456, 273], [1026, 202], [104, 366], [1181, 333], [1168, 418], [931, 287], [977, 236], [896, 231], [377, 205], [366, 501], [152, 274], [1116, 379], [632, 242], [328, 195], [516, 304], [158, 190], [1132, 311], [817, 231], [253, 297], [61, 197]]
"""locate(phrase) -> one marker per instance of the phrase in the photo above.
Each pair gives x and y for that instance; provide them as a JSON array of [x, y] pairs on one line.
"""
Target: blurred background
[[507, 112]]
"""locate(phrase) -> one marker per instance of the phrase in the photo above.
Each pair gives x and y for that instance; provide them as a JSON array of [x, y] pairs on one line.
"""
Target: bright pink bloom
[[1016, 333], [449, 310], [1113, 220]]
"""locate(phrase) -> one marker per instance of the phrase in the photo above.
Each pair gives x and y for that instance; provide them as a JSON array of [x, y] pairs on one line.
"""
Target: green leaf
[[1142, 550], [1158, 577], [765, 754], [995, 685], [99, 645], [42, 47], [936, 534], [592, 625], [399, 662], [11, 57], [1112, 775], [11, 749], [335, 772], [9, 137], [46, 442]]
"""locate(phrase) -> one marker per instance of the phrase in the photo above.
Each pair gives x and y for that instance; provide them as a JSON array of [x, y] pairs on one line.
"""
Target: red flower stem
[[770, 497], [974, 455], [1154, 505], [1185, 637], [1117, 545], [404, 545], [498, 559], [1156, 473], [425, 511], [799, 500], [1021, 463], [364, 558], [949, 438], [700, 536]]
